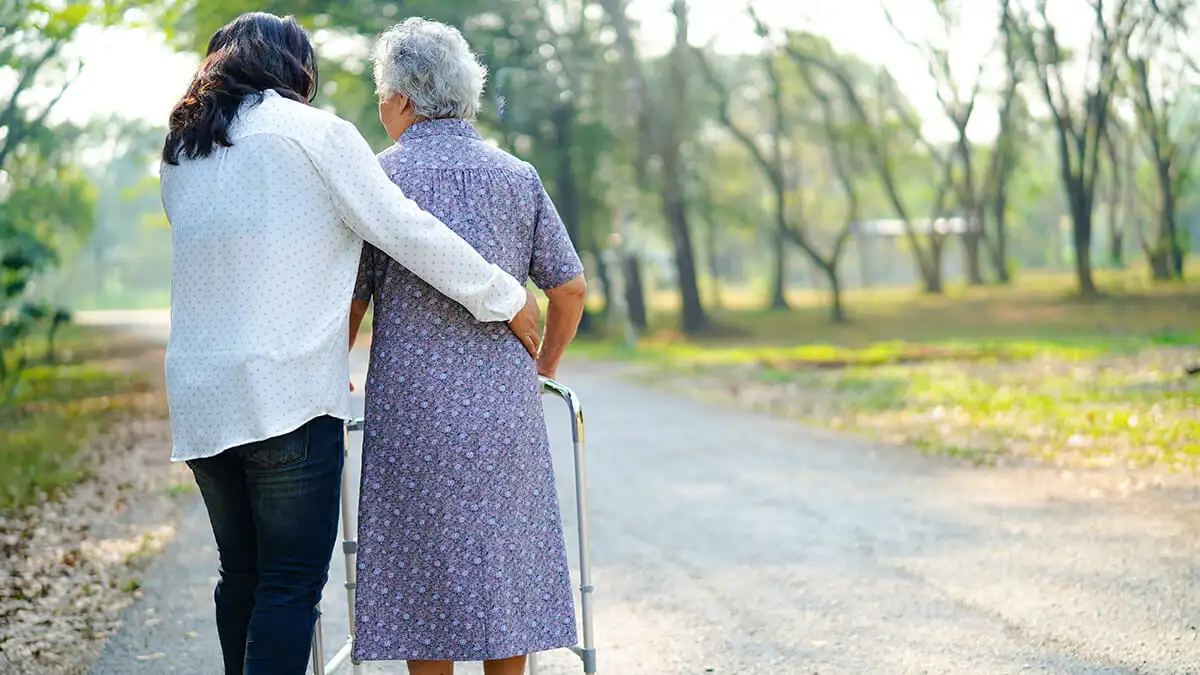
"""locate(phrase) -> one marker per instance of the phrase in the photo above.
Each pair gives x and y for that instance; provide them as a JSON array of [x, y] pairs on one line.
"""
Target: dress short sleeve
[[364, 285], [554, 261]]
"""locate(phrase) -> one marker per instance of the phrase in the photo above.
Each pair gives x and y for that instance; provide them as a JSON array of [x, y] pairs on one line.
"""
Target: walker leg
[[350, 544], [587, 651], [318, 647], [350, 551]]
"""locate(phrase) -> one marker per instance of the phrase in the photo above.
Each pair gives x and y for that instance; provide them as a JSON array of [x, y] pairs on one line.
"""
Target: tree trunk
[[837, 313], [931, 272], [1160, 266], [712, 258], [1081, 238], [606, 288], [1162, 263], [1178, 259], [1116, 224], [567, 193], [1116, 246], [694, 319], [635, 294], [972, 240], [1171, 226], [1003, 275], [674, 207], [999, 249], [779, 273], [1116, 197]]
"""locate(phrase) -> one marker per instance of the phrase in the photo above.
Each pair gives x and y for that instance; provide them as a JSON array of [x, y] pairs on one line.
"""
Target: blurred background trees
[[704, 176], [48, 199]]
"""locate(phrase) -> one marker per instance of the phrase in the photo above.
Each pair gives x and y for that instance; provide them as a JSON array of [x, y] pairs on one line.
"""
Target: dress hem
[[462, 657]]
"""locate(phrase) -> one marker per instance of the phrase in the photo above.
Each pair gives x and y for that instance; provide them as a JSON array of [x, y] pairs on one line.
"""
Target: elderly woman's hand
[[525, 324], [547, 369]]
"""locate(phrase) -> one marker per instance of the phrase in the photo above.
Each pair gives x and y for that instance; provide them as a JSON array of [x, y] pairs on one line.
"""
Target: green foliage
[[126, 257], [58, 408], [45, 200], [985, 375]]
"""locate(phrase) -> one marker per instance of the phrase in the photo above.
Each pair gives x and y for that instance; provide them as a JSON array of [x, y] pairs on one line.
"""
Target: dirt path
[[70, 565]]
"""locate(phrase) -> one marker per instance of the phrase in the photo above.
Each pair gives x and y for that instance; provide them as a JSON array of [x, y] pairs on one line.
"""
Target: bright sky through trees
[[132, 73]]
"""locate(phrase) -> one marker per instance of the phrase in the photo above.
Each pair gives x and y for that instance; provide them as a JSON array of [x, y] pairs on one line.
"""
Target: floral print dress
[[461, 552]]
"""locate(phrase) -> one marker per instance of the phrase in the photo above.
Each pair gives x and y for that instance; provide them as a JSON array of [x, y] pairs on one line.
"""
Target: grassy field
[[59, 407], [994, 375]]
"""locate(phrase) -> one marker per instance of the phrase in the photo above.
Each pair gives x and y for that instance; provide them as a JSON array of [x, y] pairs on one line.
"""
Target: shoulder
[[310, 128], [502, 160], [442, 153]]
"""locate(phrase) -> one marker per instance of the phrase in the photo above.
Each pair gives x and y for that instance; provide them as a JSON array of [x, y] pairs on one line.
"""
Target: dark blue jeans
[[274, 511]]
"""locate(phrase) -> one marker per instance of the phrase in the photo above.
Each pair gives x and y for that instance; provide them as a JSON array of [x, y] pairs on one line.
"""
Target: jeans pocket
[[280, 451]]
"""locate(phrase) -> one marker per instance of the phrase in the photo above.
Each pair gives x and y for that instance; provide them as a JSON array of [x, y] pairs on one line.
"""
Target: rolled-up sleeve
[[377, 210], [554, 261]]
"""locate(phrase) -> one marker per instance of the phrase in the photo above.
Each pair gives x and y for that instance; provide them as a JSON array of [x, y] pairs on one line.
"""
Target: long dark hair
[[251, 54]]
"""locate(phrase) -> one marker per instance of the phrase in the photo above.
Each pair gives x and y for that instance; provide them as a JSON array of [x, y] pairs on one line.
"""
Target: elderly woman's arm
[[364, 288], [358, 310], [562, 320], [556, 269]]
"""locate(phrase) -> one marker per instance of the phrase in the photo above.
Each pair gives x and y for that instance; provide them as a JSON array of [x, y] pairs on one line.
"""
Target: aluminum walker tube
[[350, 550], [587, 651]]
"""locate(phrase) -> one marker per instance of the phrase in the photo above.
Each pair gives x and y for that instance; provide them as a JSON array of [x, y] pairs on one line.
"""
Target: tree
[[1004, 156], [772, 162], [1080, 120], [1120, 159], [777, 166], [46, 201], [959, 107], [46, 204], [660, 121], [1160, 65], [880, 133], [727, 199]]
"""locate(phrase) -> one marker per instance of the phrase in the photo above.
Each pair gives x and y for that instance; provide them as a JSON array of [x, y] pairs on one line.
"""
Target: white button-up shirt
[[267, 237]]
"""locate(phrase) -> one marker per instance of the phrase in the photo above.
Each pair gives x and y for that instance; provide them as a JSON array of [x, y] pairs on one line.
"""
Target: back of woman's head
[[253, 53]]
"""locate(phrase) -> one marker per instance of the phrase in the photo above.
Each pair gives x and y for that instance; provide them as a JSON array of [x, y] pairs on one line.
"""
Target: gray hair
[[432, 64]]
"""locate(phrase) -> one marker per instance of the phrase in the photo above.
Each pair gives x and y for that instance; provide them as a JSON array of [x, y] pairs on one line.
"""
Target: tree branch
[[9, 118], [771, 168], [615, 9]]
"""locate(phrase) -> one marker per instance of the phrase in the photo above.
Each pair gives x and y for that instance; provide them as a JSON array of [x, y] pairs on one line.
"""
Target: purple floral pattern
[[461, 553]]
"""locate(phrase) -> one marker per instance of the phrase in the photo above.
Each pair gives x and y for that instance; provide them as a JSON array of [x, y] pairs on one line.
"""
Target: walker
[[586, 651]]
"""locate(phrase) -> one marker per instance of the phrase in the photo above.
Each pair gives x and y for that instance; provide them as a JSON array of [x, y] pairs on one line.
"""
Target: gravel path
[[726, 542]]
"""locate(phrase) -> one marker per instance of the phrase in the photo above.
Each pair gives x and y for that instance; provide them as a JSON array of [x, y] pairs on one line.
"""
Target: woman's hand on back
[[525, 324]]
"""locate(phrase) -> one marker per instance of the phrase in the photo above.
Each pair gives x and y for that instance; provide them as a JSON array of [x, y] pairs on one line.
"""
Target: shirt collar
[[440, 127]]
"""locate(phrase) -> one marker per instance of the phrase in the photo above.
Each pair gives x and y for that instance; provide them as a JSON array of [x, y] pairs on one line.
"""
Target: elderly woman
[[461, 552]]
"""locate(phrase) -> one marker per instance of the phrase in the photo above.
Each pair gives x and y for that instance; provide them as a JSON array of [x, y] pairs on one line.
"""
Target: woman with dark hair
[[269, 201], [256, 52]]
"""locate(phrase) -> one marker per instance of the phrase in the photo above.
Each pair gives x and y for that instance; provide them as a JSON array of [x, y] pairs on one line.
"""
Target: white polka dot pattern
[[267, 239]]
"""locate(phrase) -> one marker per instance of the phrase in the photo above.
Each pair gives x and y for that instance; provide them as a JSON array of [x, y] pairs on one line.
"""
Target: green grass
[[59, 408], [989, 374]]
